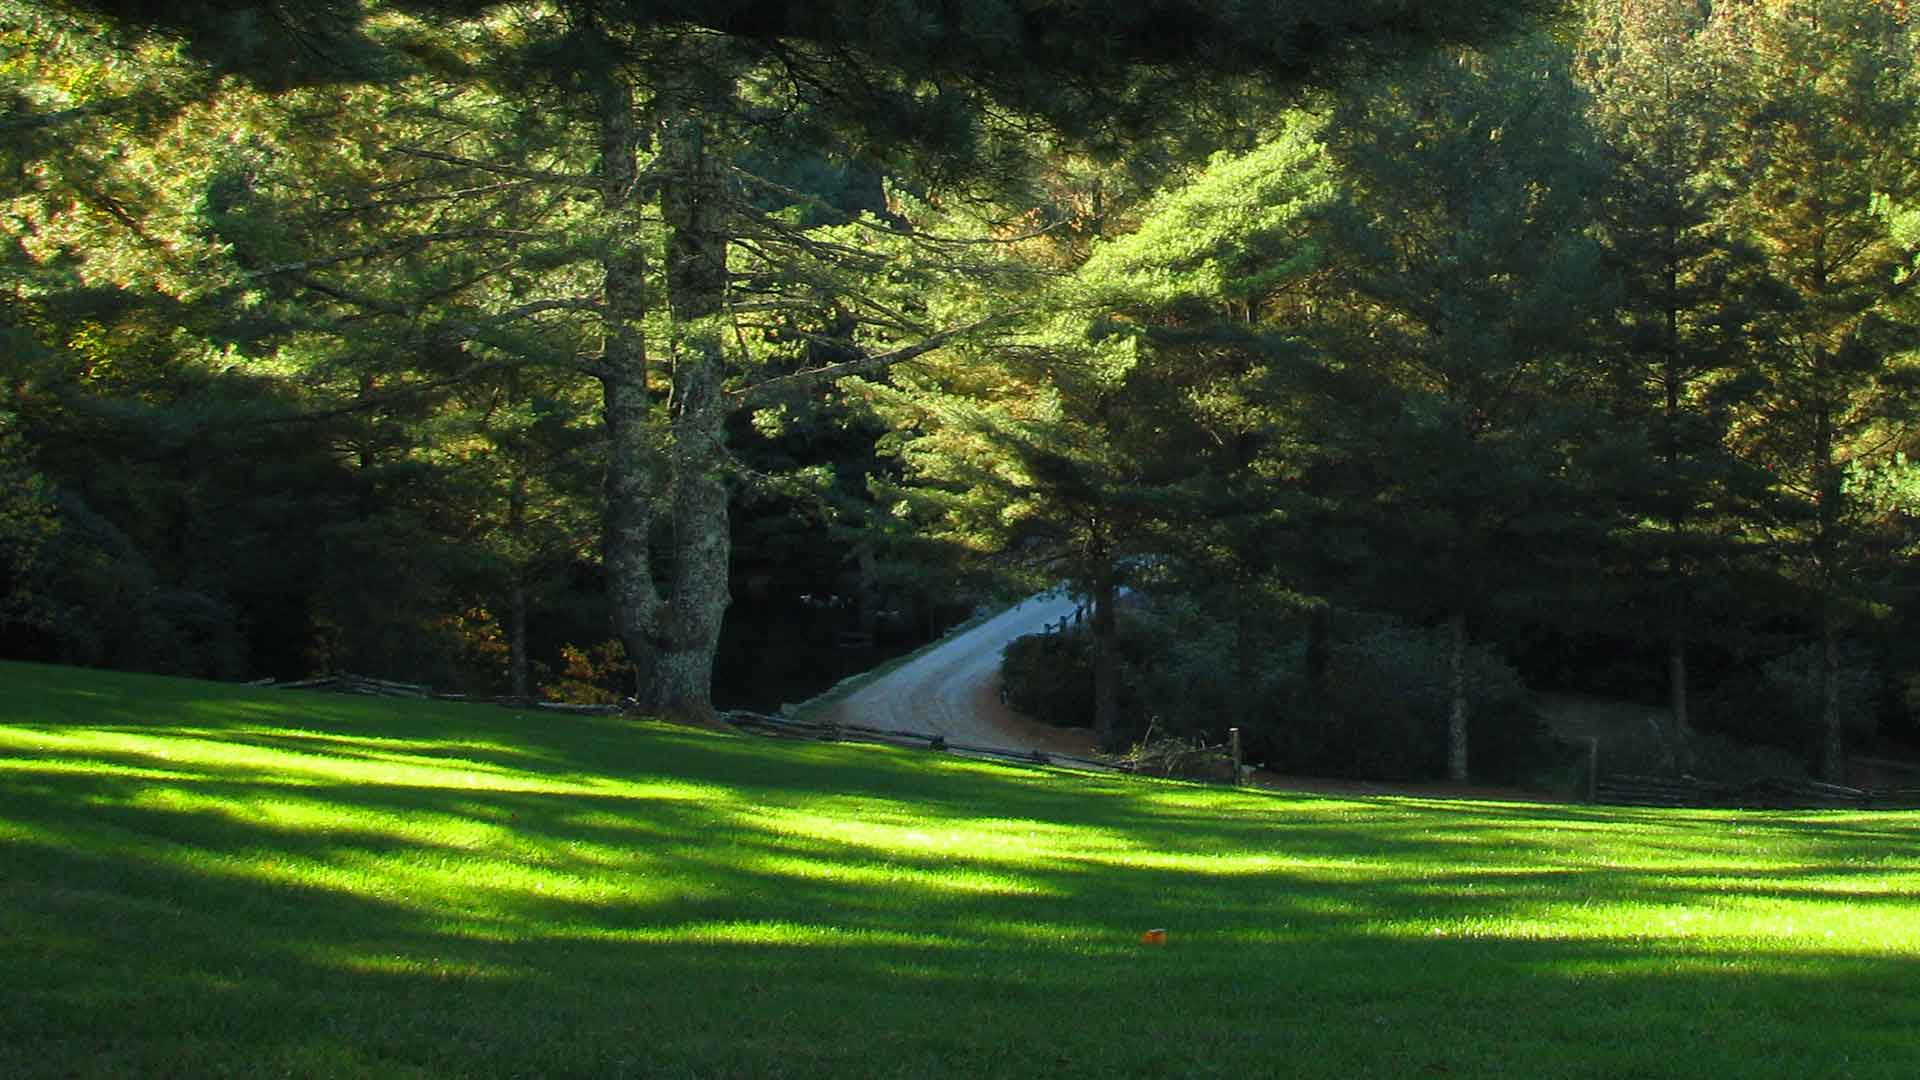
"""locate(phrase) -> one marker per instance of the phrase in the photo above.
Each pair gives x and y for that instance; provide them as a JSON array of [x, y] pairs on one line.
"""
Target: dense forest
[[1367, 366]]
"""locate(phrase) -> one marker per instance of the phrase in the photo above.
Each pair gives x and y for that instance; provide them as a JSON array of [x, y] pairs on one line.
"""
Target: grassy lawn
[[202, 879]]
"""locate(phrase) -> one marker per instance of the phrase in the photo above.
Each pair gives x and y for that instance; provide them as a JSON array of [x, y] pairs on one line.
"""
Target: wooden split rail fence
[[1769, 794], [803, 729], [362, 684]]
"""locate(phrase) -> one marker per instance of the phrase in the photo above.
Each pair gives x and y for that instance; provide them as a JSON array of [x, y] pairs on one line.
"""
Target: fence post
[[1234, 734]]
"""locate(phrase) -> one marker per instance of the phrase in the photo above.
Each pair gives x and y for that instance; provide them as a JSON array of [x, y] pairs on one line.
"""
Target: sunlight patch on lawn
[[947, 879], [870, 825], [209, 756], [780, 932], [359, 962], [93, 767]]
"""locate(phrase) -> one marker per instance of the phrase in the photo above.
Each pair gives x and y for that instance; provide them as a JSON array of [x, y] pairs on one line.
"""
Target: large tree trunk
[[692, 201], [628, 523], [632, 460], [702, 542], [1457, 698]]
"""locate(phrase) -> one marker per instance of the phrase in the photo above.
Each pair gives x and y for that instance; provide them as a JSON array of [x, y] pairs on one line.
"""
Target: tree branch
[[438, 196], [578, 180], [451, 329], [404, 243], [748, 396], [28, 121]]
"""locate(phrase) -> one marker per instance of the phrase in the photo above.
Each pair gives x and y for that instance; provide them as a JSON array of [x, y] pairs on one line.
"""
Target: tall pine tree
[[1826, 121], [1657, 80], [1467, 291]]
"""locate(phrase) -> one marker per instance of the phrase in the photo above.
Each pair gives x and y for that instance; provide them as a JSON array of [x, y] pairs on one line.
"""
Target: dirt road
[[954, 688]]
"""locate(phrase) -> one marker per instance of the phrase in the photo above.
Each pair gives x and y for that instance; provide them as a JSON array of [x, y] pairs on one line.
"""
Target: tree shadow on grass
[[668, 903], [127, 961]]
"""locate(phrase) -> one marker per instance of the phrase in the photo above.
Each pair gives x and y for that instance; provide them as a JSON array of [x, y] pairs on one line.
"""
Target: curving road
[[953, 689]]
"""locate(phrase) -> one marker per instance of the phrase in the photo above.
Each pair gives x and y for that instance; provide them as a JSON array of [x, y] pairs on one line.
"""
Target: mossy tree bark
[[692, 200], [633, 465]]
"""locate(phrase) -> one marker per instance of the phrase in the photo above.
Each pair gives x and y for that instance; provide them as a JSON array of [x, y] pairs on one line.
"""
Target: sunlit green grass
[[198, 879]]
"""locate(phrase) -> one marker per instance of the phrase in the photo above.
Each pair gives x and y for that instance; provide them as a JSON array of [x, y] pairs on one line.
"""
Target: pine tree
[[1137, 419], [1014, 454], [1826, 121], [1657, 79], [1467, 289], [1212, 295]]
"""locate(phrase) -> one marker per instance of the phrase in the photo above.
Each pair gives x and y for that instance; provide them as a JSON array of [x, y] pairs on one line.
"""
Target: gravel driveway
[[953, 689]]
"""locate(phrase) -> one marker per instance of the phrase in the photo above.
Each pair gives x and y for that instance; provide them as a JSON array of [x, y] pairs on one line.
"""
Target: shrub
[[29, 517], [1180, 759], [1387, 704], [108, 606], [1050, 677], [1183, 674], [1383, 715], [1778, 703], [595, 676], [1638, 751], [1717, 757], [1794, 680]]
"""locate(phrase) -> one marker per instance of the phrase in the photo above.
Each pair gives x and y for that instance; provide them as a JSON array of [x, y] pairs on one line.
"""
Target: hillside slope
[[205, 879]]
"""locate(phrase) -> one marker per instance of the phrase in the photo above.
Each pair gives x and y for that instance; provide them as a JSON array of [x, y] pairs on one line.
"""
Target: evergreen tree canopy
[[596, 186], [1043, 58], [1468, 289]]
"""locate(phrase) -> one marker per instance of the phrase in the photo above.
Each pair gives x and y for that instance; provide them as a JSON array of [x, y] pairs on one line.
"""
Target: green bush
[[1712, 756], [1637, 751], [1383, 714], [1794, 680], [1778, 704], [1185, 675], [1717, 757], [1050, 677], [29, 517], [1386, 709], [109, 607]]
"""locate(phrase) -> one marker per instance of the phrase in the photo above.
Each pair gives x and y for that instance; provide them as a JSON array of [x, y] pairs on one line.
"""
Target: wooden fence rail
[[363, 684], [781, 725], [1767, 794]]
